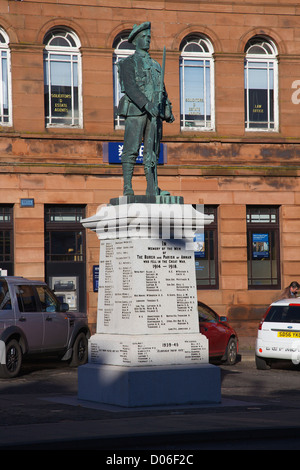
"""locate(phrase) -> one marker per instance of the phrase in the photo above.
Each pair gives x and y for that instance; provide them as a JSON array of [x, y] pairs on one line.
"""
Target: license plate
[[288, 334]]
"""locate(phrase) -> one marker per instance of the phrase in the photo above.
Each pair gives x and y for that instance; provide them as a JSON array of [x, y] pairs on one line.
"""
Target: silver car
[[34, 322]]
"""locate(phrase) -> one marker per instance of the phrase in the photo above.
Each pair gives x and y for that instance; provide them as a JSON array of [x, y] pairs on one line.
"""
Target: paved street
[[40, 410]]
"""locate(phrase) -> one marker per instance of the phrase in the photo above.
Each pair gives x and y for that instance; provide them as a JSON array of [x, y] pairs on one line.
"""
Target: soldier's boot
[[152, 188], [127, 177]]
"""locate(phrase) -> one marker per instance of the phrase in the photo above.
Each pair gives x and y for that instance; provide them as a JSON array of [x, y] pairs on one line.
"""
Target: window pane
[[196, 74], [193, 48], [59, 42], [48, 302], [5, 214], [5, 300], [6, 239], [64, 246], [259, 98], [61, 79], [195, 93], [6, 254], [69, 214], [206, 262], [263, 248], [258, 79], [26, 299], [288, 314], [5, 245], [122, 50], [60, 73], [206, 314], [4, 86], [262, 215], [259, 85]]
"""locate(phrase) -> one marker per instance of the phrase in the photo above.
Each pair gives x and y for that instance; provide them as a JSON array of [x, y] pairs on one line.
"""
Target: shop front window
[[263, 247]]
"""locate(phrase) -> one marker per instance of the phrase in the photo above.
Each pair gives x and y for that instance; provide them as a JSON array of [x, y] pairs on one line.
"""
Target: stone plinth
[[147, 321], [149, 386]]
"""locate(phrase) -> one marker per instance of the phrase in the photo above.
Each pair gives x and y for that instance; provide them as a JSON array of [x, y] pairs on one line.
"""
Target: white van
[[279, 333]]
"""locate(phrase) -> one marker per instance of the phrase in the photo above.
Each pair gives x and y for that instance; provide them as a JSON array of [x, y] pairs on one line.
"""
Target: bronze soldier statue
[[145, 105]]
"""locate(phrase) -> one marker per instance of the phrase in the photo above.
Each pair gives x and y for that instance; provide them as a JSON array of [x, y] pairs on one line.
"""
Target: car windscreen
[[284, 314]]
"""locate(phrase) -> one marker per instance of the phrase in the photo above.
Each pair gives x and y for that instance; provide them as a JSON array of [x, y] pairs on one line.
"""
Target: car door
[[28, 317], [213, 329], [56, 323], [7, 314]]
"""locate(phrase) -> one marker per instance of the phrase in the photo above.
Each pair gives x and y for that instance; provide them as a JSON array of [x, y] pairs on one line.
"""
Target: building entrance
[[65, 254]]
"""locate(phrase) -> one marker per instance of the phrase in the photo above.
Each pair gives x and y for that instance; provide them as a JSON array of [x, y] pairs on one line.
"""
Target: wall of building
[[227, 167]]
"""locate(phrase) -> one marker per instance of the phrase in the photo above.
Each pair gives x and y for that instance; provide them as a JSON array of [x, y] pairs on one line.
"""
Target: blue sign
[[95, 278], [115, 150], [260, 243], [27, 202], [200, 245]]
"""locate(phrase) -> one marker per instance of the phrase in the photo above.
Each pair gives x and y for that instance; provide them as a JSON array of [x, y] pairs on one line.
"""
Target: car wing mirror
[[63, 307]]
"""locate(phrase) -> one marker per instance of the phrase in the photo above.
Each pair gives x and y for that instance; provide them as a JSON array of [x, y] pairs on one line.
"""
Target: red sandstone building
[[233, 77]]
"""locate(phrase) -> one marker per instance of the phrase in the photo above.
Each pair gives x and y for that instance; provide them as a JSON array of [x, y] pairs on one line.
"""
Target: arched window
[[197, 84], [5, 83], [122, 49], [261, 85], [62, 79]]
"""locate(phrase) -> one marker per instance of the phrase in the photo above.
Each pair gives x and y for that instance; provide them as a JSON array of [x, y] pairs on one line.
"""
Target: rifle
[[156, 130], [162, 81]]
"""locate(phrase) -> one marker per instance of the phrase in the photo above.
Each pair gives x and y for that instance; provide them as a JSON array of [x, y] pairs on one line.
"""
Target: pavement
[[39, 414]]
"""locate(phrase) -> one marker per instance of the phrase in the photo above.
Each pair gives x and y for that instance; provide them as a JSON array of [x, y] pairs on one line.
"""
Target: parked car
[[34, 322], [222, 338], [278, 335]]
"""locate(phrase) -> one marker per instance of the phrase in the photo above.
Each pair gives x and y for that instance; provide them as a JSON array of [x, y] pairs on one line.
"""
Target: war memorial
[[147, 349]]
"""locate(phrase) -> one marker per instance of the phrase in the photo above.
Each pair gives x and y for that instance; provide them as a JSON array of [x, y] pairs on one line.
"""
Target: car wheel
[[13, 360], [231, 352], [261, 364], [80, 351]]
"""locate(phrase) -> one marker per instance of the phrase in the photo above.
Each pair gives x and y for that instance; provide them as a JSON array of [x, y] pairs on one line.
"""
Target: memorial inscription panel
[[146, 287], [144, 350]]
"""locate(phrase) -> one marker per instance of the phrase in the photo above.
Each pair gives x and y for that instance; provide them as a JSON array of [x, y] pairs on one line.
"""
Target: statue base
[[144, 199], [147, 350], [149, 386]]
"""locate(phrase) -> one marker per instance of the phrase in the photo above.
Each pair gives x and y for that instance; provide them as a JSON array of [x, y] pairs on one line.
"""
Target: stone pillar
[[147, 349]]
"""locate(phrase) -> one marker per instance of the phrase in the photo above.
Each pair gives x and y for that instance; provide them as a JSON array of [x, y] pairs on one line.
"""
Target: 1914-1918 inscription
[[149, 288]]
